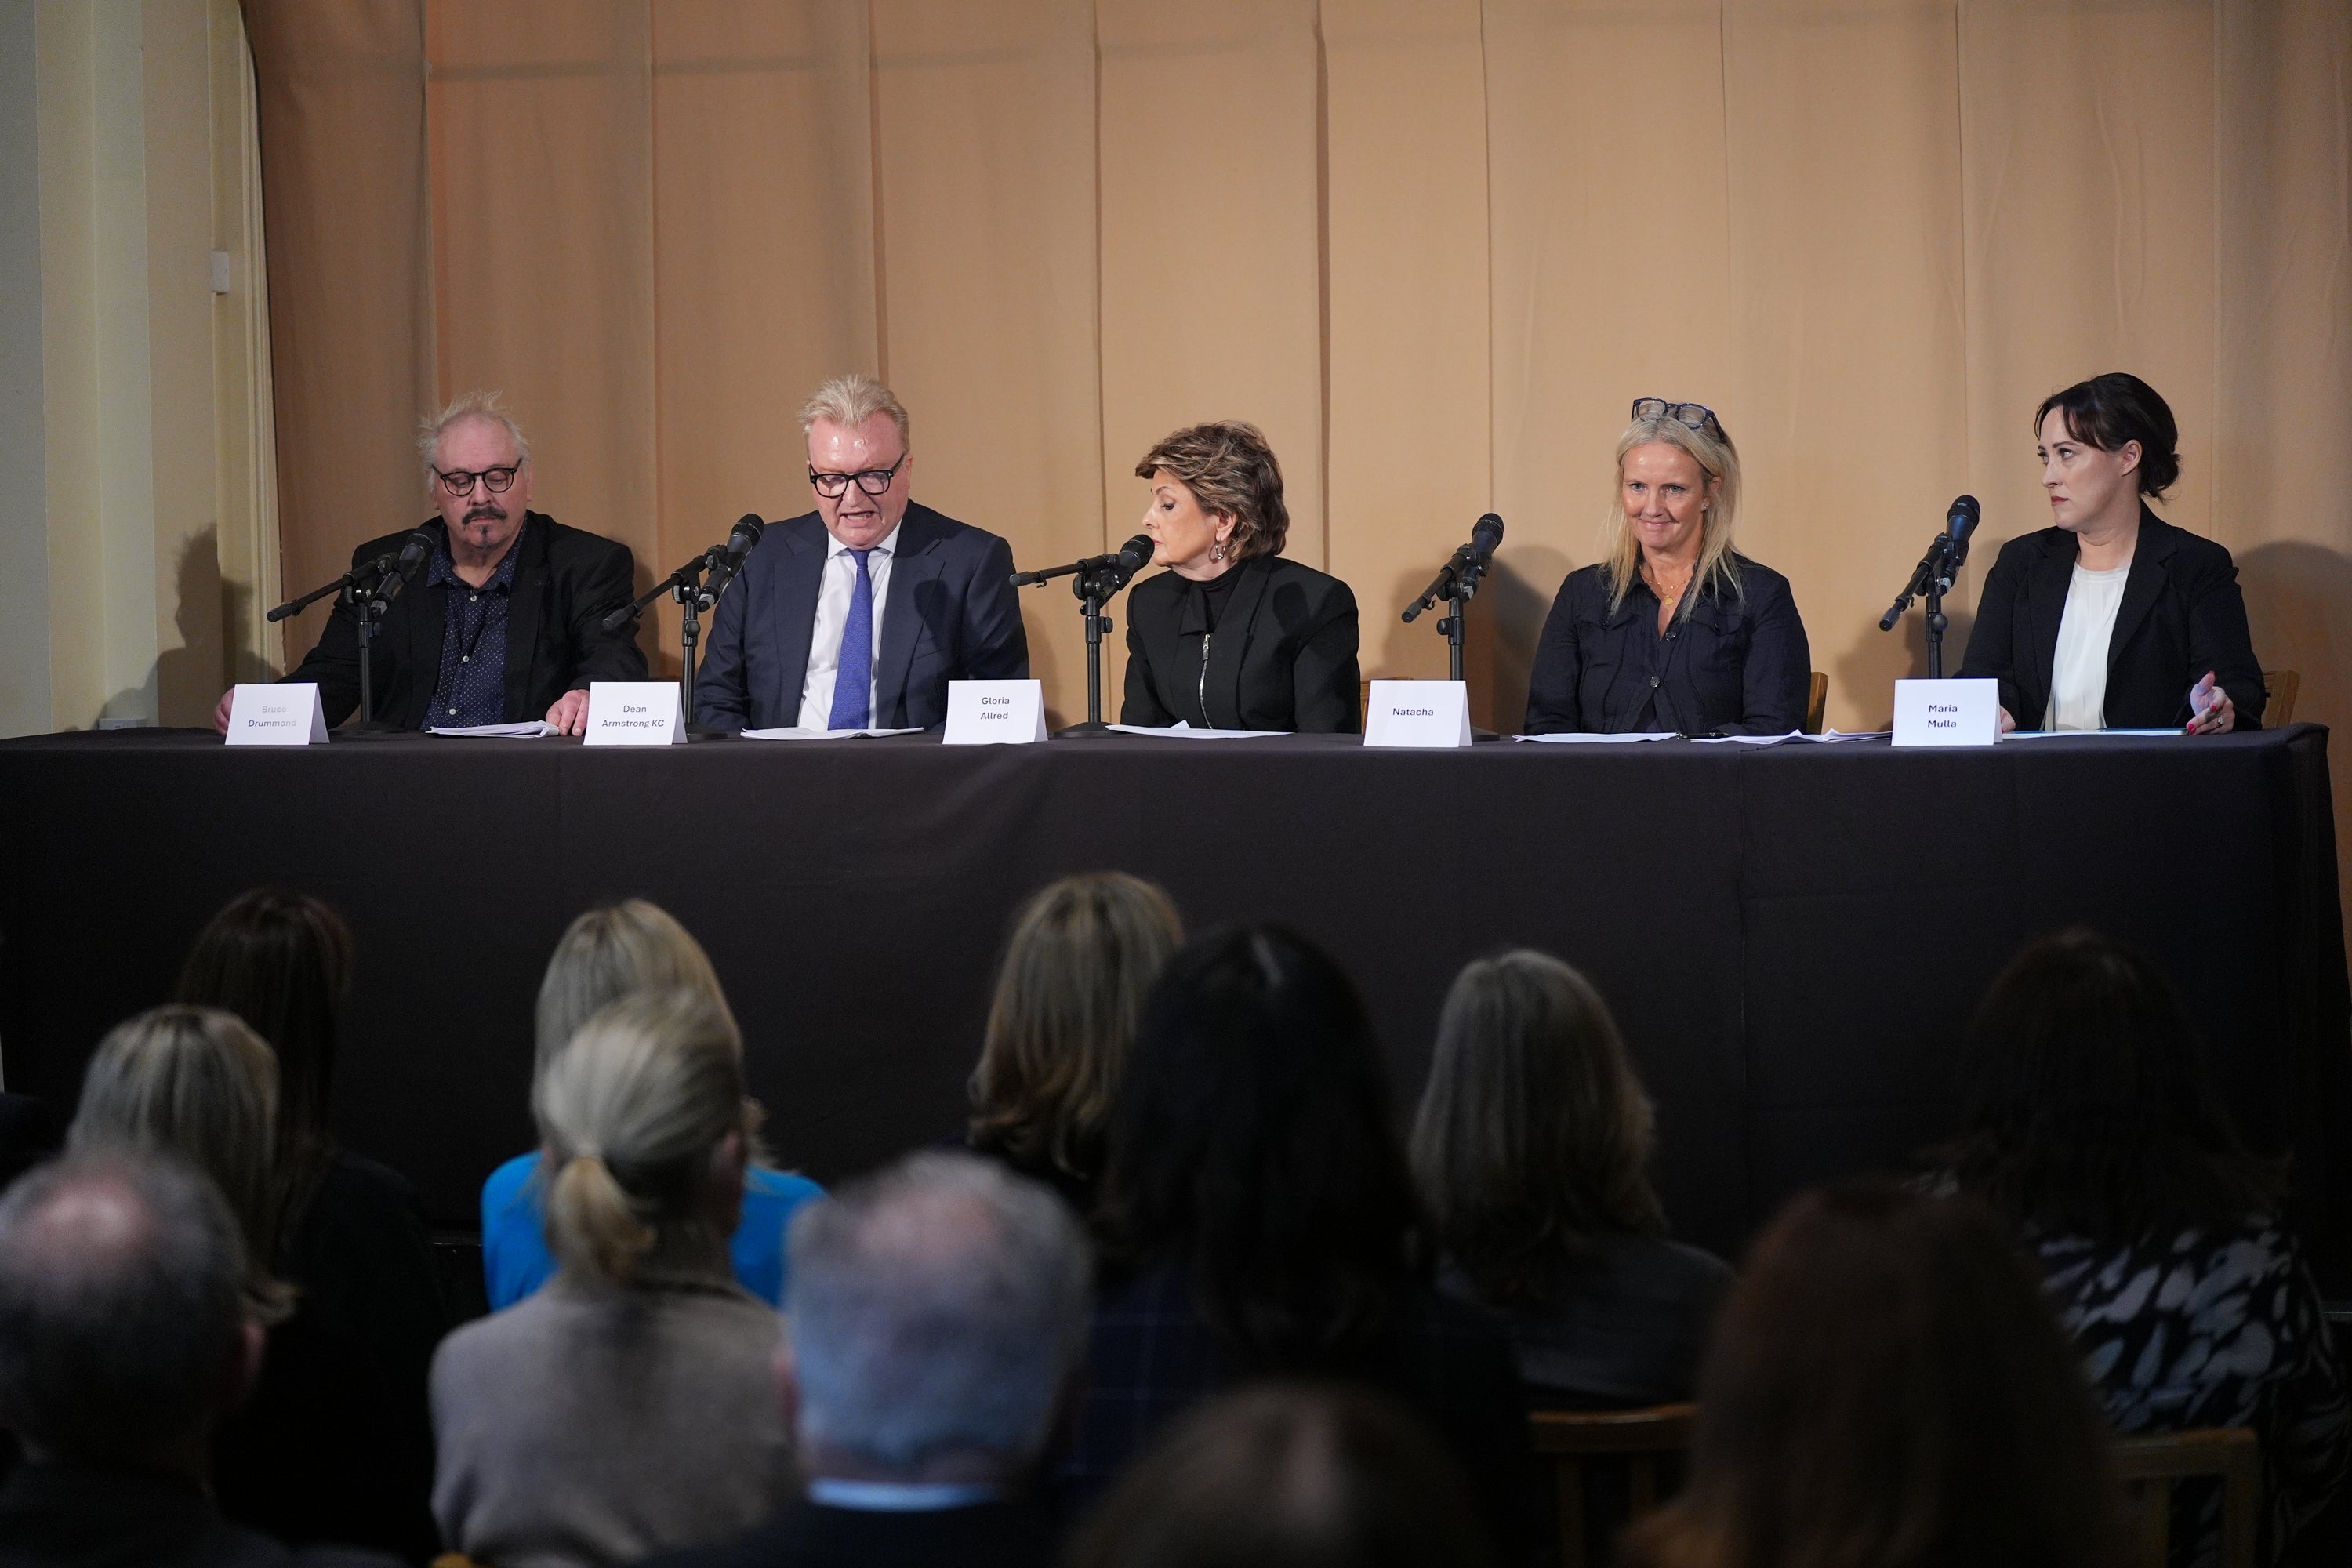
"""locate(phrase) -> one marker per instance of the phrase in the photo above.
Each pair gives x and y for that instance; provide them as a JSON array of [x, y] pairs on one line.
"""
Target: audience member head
[[644, 1135], [2086, 1109], [1253, 1144], [1533, 1132], [123, 1326], [1084, 953], [1287, 1476], [936, 1311], [1887, 1385], [197, 1083], [282, 962], [606, 954]]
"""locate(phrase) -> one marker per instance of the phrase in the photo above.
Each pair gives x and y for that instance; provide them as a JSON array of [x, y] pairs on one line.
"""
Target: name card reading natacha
[[1946, 712], [995, 712], [1417, 713], [277, 716], [633, 713]]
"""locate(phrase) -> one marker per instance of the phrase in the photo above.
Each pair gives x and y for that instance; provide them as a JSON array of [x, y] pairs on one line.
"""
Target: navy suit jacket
[[949, 614]]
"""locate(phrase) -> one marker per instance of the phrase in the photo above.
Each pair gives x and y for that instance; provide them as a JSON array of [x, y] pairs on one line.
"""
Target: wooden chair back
[[1572, 1439], [1817, 701], [2280, 685], [2152, 1465]]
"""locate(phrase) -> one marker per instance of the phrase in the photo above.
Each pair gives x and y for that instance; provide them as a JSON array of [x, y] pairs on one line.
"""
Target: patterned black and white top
[[2211, 1328]]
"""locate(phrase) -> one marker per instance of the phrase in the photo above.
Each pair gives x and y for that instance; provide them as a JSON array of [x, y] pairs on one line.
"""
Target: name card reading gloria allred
[[1417, 713], [633, 713], [1946, 712], [276, 716], [995, 712]]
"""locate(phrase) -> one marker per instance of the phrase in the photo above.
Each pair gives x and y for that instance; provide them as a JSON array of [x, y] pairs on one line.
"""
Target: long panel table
[[1793, 936]]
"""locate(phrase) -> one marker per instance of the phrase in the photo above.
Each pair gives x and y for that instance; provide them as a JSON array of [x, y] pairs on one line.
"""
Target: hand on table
[[2211, 710], [570, 714], [220, 714], [2007, 723]]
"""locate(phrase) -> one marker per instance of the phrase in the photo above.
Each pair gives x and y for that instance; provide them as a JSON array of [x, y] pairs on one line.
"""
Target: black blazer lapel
[[2045, 606], [1230, 644], [2144, 587], [526, 610], [913, 565], [792, 619]]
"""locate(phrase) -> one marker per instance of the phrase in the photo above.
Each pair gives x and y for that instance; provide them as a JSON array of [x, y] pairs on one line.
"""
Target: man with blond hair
[[504, 620], [856, 615]]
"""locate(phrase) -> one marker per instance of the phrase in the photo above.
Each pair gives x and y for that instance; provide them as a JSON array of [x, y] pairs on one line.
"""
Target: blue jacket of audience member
[[515, 1262]]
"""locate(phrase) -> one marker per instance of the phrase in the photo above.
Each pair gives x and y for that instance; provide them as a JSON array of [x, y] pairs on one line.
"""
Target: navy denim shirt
[[472, 688], [1738, 664]]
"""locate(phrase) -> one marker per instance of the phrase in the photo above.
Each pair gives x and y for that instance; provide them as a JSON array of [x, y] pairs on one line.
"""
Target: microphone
[[414, 549], [1962, 519], [1486, 535], [1125, 562], [1945, 554], [746, 534], [1460, 573]]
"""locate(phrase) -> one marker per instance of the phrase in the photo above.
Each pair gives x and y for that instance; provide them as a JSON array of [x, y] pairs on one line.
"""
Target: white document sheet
[[530, 731], [1749, 740], [1586, 737], [821, 734], [1181, 731], [1829, 736], [2078, 734]]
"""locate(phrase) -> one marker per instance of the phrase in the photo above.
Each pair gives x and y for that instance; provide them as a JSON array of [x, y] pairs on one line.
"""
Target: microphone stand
[[684, 585], [1456, 583], [360, 589], [1100, 579], [1931, 580]]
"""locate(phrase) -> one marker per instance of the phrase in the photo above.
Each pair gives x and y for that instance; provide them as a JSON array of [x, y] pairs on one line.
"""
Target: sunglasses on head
[[1697, 415]]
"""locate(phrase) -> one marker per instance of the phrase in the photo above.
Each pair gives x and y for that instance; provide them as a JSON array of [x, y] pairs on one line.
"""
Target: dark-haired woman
[[1532, 1145], [1259, 1220], [1232, 635], [2113, 619], [2088, 1122]]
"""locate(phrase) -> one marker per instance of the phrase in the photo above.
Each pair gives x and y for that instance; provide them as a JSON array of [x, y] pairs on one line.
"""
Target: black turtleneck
[[1216, 594]]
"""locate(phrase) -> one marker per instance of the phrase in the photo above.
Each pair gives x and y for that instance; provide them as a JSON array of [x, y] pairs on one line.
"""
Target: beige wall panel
[[342, 91], [70, 436], [764, 248], [1211, 246], [1612, 271], [987, 182], [2087, 168], [540, 120], [2282, 432], [1853, 418], [1409, 332]]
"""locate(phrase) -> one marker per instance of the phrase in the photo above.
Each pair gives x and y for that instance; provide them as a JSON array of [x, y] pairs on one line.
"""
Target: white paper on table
[[1749, 740], [796, 734], [1588, 738], [530, 730], [2078, 734], [1826, 736], [1182, 730]]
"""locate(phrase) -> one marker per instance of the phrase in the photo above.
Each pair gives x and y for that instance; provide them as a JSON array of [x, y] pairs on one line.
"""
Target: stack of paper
[[530, 731], [796, 734], [1181, 731]]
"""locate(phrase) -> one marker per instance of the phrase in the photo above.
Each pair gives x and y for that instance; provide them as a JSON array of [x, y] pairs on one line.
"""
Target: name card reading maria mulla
[[995, 712], [1417, 713], [633, 713], [1946, 712]]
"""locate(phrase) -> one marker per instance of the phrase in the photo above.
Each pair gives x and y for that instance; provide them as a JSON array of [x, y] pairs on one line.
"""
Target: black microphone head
[[414, 549], [1487, 534], [1136, 553], [750, 526], [1962, 518]]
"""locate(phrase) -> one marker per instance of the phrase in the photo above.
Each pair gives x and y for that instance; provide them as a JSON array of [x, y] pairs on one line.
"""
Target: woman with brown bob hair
[[1232, 635], [1084, 953], [1886, 1386]]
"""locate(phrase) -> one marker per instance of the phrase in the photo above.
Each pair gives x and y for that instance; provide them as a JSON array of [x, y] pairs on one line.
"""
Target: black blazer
[[566, 581], [2182, 615], [949, 614], [811, 1535], [1283, 657], [1738, 664]]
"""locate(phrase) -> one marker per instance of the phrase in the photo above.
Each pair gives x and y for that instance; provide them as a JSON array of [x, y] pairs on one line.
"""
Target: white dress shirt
[[2078, 677], [832, 616]]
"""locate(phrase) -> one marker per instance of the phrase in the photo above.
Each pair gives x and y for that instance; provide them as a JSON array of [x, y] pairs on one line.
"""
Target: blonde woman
[[607, 953], [1672, 630], [1084, 953], [333, 1444], [629, 1407]]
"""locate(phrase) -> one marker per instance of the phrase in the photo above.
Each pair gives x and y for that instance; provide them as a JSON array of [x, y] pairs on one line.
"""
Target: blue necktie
[[853, 673]]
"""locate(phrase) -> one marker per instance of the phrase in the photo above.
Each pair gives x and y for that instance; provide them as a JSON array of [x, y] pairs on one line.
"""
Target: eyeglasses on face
[[1697, 415], [461, 483], [873, 481]]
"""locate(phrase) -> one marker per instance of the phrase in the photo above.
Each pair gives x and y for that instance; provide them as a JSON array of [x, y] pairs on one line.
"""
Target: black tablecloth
[[1791, 936]]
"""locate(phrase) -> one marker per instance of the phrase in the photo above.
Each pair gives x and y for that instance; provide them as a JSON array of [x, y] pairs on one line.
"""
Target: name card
[[1418, 714], [276, 716], [1946, 712], [633, 713], [995, 712]]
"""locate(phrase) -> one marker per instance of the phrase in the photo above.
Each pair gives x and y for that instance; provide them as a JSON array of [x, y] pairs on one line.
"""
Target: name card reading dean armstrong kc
[[995, 712], [1417, 713], [633, 713], [276, 716], [1946, 712]]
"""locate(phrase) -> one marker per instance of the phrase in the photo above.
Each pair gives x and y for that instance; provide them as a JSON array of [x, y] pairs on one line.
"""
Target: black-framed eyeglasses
[[873, 481], [495, 480], [1697, 415]]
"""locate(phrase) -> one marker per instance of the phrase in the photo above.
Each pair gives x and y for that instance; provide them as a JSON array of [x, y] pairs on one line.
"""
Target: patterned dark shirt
[[473, 685], [2211, 1328]]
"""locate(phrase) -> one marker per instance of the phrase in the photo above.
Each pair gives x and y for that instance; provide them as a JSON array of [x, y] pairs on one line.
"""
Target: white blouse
[[2078, 679]]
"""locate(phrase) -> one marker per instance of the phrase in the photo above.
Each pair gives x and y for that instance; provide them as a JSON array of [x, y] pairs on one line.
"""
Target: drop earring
[[1216, 553]]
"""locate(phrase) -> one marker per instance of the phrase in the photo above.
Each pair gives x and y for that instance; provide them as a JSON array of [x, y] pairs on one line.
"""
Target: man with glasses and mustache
[[857, 614], [504, 621]]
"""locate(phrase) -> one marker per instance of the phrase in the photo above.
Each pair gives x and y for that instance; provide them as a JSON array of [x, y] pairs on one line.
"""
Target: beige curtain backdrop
[[1434, 247]]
